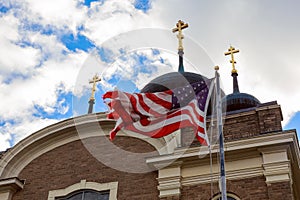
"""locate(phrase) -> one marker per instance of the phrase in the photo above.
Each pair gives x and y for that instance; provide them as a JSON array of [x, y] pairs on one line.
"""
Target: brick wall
[[245, 123], [261, 120], [70, 163], [269, 120], [170, 198], [246, 189], [280, 190], [241, 127]]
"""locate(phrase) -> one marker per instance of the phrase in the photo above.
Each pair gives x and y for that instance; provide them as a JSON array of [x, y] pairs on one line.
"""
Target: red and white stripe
[[151, 114]]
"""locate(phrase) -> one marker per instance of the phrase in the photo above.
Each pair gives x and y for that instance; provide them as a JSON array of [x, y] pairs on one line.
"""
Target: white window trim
[[111, 186]]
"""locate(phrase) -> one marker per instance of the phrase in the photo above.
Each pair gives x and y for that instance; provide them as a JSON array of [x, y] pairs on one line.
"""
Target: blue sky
[[48, 53]]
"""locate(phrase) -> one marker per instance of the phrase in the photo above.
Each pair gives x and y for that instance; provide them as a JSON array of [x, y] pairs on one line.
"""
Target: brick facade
[[247, 123], [280, 190], [261, 120], [70, 163], [247, 189]]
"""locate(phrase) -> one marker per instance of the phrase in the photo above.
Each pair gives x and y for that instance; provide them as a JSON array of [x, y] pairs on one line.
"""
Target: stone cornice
[[230, 175], [250, 111], [285, 137], [11, 184]]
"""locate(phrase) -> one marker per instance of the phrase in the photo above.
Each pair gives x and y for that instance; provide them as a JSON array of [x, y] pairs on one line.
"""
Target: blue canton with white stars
[[184, 95]]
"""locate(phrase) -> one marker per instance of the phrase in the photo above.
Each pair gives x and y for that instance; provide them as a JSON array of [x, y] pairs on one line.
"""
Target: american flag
[[161, 113]]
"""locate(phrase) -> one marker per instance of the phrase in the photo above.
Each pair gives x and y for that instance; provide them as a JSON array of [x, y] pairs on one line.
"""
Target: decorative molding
[[83, 185], [169, 181], [268, 107], [169, 186], [285, 137], [64, 132], [230, 175], [276, 164], [9, 186], [266, 155]]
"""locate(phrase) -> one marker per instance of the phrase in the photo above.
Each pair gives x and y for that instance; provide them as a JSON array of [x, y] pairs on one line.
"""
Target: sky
[[49, 50]]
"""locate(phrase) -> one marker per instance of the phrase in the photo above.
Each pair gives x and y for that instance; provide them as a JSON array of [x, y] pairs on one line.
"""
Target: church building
[[75, 160]]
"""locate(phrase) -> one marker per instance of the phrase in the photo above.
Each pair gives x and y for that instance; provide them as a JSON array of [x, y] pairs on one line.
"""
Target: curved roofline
[[15, 159]]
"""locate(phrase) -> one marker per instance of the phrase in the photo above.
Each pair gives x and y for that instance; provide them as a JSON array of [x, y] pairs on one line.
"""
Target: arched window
[[86, 195], [86, 191], [230, 196]]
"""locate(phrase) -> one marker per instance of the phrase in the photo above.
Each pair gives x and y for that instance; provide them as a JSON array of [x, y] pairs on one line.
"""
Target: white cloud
[[21, 129], [49, 45], [114, 17], [13, 57], [4, 141], [267, 34], [20, 97], [61, 14], [40, 89]]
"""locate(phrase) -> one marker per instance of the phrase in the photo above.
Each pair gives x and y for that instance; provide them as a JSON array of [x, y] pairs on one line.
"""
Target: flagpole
[[220, 131]]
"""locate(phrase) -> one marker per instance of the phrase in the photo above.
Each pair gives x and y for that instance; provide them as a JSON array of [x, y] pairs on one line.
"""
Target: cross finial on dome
[[179, 27], [234, 73], [232, 51], [95, 79]]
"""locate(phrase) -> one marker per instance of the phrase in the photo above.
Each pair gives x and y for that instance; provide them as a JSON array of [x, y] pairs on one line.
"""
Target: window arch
[[230, 196], [86, 195], [86, 191]]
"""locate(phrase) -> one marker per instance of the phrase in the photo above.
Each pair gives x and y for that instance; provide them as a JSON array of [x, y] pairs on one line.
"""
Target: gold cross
[[179, 27], [95, 79], [232, 51]]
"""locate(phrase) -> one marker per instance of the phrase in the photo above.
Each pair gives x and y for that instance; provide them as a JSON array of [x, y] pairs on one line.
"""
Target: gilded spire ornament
[[232, 51], [179, 27], [94, 81], [234, 73]]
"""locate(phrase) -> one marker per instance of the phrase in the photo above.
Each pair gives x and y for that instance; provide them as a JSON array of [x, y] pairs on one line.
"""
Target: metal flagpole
[[220, 131]]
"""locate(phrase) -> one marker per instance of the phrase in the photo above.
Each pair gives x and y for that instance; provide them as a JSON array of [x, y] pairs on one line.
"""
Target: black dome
[[238, 101], [172, 80]]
